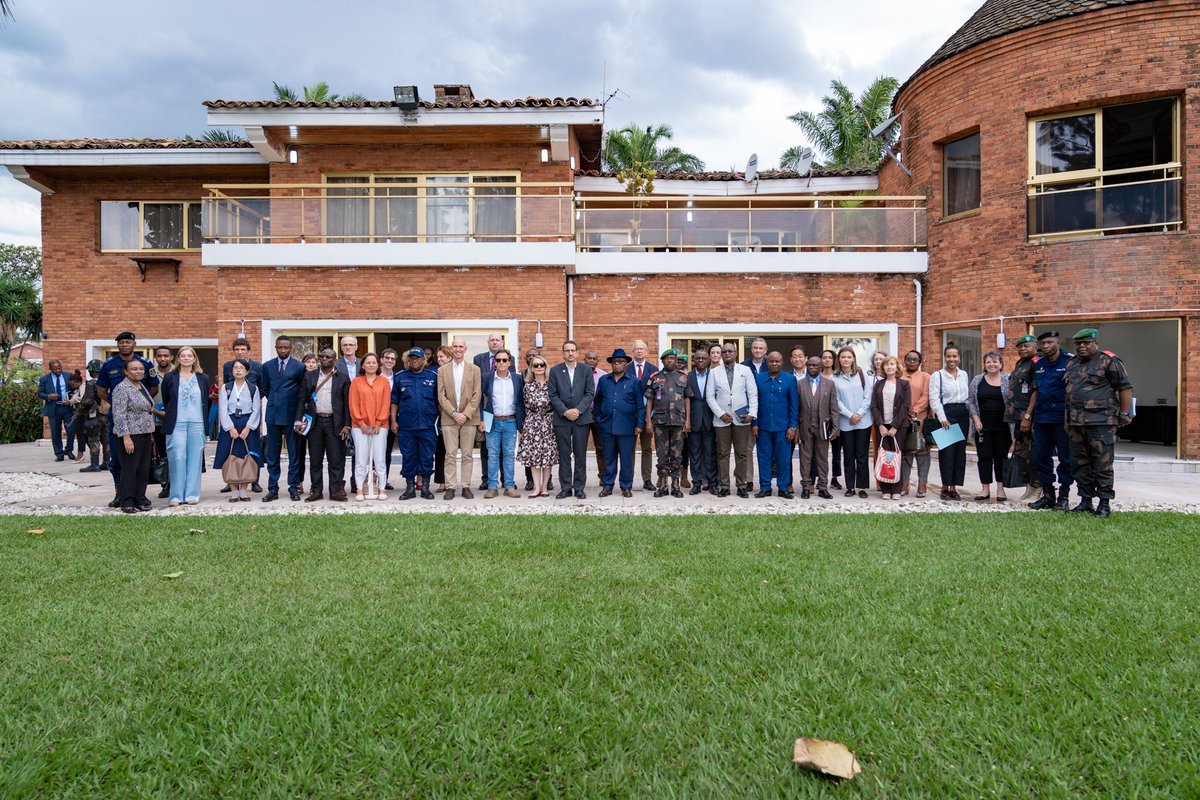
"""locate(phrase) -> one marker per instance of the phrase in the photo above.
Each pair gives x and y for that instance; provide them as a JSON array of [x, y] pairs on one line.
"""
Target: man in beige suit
[[458, 389]]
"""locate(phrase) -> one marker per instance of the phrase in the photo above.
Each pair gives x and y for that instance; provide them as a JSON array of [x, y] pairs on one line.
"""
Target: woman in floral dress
[[537, 448]]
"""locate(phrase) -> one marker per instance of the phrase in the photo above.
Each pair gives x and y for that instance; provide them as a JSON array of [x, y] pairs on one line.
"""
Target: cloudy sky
[[724, 75]]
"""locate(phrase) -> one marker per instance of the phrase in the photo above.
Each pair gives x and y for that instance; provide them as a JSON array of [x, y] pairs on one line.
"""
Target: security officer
[[682, 361], [1045, 412], [414, 421], [112, 372], [669, 416], [1098, 400], [1020, 390], [93, 368]]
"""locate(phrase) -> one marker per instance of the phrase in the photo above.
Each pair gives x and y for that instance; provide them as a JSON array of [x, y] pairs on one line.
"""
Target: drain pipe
[[919, 288], [570, 306]]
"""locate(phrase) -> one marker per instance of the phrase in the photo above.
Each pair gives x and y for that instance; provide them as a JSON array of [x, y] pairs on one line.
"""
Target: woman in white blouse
[[948, 393], [240, 413]]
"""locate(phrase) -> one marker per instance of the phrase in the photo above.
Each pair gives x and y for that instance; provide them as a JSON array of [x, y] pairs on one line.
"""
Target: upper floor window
[[134, 225], [1105, 170], [960, 174], [422, 208]]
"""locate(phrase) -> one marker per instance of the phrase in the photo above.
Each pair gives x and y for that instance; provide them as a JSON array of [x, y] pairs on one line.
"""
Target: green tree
[[841, 131], [317, 93], [635, 145], [23, 262], [20, 312]]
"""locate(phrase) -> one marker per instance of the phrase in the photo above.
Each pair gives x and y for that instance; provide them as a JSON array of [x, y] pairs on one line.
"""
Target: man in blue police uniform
[[112, 372], [618, 410], [414, 419], [279, 382], [775, 427], [1045, 413]]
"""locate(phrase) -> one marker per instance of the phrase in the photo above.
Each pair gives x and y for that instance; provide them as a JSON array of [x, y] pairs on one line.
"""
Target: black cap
[[1048, 335], [126, 335]]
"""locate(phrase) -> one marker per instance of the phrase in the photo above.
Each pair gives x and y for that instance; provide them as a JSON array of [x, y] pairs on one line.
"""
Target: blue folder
[[944, 437]]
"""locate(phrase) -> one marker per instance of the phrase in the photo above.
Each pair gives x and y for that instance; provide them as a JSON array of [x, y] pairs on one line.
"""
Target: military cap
[[1048, 335], [94, 366], [1086, 334], [126, 335], [1026, 338], [669, 352]]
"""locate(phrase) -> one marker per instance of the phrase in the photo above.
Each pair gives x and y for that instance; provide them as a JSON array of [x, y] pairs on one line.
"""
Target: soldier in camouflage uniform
[[684, 483], [669, 416], [1016, 413], [1098, 399]]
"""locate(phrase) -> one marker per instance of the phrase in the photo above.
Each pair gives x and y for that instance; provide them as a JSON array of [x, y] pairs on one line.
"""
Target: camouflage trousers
[[668, 444], [1023, 453], [1093, 448]]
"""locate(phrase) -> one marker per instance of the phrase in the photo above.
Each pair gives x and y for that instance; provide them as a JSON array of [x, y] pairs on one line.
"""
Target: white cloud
[[20, 212]]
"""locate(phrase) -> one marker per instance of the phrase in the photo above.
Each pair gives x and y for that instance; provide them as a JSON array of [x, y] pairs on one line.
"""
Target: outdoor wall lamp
[[538, 340], [545, 155], [407, 98], [293, 155]]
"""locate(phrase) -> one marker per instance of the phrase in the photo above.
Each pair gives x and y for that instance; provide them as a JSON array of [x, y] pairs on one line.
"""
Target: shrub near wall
[[20, 408]]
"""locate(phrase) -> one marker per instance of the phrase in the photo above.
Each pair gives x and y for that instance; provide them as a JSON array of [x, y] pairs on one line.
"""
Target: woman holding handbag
[[238, 452], [891, 398], [133, 415], [370, 406], [184, 392]]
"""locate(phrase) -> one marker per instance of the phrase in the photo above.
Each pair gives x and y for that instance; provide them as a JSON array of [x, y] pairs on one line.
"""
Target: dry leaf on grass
[[36, 531], [173, 575], [828, 758], [195, 530]]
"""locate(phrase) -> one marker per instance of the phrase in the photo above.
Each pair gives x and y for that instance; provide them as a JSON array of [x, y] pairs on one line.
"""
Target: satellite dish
[[805, 162], [751, 169], [883, 127]]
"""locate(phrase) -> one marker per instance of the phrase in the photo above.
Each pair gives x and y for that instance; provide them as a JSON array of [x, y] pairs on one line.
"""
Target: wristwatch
[[1026, 416]]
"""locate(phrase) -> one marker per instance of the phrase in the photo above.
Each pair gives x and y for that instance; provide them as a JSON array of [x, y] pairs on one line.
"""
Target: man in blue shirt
[[618, 409], [414, 419], [112, 372], [775, 427], [1046, 412]]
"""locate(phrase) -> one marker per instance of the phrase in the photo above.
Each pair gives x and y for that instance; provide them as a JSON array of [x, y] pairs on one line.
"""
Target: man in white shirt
[[458, 398], [642, 371], [487, 365], [348, 364], [502, 397]]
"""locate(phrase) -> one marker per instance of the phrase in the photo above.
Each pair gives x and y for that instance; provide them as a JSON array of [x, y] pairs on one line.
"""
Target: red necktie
[[639, 372]]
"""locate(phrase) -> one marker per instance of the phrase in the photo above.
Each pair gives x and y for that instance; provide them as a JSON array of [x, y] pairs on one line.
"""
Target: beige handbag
[[239, 469]]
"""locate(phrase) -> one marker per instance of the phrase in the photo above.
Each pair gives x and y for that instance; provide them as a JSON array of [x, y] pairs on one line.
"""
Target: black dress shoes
[[805, 493], [835, 484], [529, 485], [742, 493], [256, 487], [648, 486], [295, 495], [426, 493], [563, 495], [696, 489], [580, 494], [824, 494], [605, 492], [627, 493], [227, 489], [269, 496], [165, 491], [115, 503], [759, 495], [786, 494]]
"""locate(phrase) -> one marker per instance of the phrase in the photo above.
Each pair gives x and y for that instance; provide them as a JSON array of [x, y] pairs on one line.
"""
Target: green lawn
[[1025, 655]]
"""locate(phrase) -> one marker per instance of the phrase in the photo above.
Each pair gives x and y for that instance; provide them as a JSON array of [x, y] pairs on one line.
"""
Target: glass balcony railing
[[389, 212], [743, 225], [1089, 209]]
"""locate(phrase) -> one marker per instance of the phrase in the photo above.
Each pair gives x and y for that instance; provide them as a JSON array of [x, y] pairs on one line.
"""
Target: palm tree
[[634, 144], [841, 131], [6, 9], [317, 93], [20, 312]]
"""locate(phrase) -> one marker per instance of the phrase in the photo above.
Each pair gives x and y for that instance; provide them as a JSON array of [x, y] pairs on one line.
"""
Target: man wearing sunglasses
[[502, 399]]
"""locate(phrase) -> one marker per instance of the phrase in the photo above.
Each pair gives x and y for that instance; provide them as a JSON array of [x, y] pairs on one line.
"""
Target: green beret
[[1085, 334], [1026, 338], [670, 352]]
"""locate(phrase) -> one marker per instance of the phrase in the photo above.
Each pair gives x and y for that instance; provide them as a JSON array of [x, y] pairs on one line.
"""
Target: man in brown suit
[[458, 390], [818, 403]]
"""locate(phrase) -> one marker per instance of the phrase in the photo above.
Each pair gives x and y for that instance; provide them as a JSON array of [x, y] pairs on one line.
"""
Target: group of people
[[322, 408]]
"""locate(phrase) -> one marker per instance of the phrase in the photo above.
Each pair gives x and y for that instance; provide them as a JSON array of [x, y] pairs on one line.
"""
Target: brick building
[[411, 221]]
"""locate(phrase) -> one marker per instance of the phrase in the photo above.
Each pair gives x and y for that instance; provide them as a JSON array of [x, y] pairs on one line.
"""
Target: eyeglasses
[[539, 366], [501, 360]]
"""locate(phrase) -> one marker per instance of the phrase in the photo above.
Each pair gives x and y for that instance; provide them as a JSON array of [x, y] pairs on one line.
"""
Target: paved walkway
[[32, 482]]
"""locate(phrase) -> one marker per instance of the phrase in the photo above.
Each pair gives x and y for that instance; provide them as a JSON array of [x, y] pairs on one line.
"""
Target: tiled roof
[[1000, 17], [120, 144], [528, 102], [765, 174]]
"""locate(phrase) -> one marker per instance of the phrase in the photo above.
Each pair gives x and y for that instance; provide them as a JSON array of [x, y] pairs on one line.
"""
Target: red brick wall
[[981, 265]]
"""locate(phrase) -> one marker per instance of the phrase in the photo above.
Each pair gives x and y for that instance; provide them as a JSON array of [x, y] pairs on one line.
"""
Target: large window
[[1105, 170], [422, 208], [960, 175], [134, 225]]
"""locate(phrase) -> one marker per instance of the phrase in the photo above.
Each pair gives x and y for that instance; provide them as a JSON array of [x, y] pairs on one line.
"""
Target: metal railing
[[744, 224], [386, 211], [1097, 210]]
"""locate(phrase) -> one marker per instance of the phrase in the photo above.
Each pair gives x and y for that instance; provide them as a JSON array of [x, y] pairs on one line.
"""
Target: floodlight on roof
[[407, 98]]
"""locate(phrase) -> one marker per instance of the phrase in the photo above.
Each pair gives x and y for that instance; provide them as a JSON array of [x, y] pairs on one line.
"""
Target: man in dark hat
[[1098, 398], [668, 415], [112, 372], [1020, 390], [414, 420], [1046, 405], [618, 412]]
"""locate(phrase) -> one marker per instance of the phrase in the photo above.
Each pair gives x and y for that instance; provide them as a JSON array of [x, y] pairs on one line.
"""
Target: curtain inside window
[[496, 209], [348, 211], [447, 209]]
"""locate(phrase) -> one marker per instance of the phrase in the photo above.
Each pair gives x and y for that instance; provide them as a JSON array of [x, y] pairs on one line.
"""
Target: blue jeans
[[185, 455], [502, 450]]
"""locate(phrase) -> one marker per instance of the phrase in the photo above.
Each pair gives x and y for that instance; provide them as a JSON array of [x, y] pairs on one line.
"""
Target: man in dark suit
[[572, 390], [642, 371], [487, 365], [52, 391], [241, 349], [280, 383], [325, 395], [818, 406], [502, 396], [702, 442]]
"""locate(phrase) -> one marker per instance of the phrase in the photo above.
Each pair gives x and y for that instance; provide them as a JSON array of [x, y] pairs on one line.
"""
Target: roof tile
[[120, 144], [528, 102]]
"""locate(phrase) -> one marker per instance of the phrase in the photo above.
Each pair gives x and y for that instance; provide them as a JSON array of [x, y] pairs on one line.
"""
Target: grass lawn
[[1030, 655]]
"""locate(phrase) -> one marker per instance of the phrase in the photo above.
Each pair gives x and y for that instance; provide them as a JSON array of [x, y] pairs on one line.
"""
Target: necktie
[[639, 372], [281, 363]]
